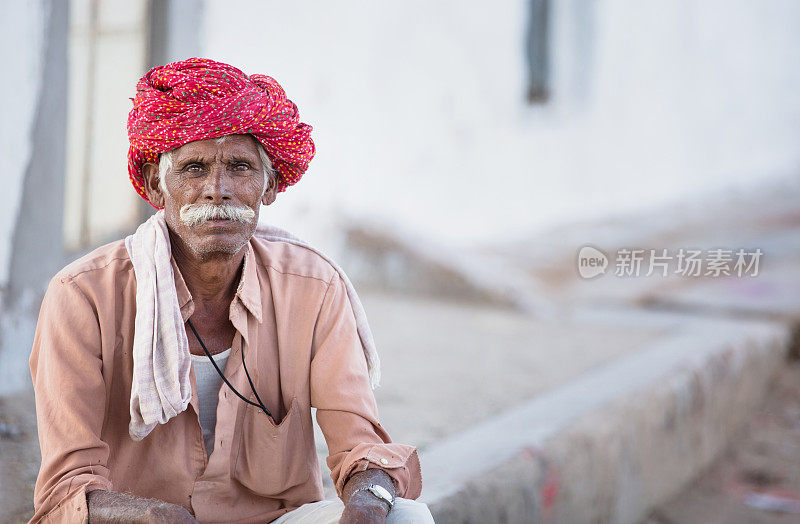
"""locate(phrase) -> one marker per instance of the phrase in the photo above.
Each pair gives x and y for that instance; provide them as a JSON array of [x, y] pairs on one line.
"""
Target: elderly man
[[175, 371]]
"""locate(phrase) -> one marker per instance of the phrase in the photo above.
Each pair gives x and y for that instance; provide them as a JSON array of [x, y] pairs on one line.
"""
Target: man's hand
[[362, 507], [110, 507]]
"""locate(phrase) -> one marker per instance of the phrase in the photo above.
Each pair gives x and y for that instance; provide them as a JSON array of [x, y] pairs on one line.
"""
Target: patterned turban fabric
[[198, 99]]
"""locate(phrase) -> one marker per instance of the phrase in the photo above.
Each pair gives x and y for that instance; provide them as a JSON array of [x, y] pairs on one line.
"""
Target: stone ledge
[[611, 444]]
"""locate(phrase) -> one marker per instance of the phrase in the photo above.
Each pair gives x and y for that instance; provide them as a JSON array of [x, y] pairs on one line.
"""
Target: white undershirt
[[208, 384]]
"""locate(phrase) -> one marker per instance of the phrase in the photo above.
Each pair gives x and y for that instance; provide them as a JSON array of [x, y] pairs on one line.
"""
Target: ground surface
[[757, 480], [19, 457]]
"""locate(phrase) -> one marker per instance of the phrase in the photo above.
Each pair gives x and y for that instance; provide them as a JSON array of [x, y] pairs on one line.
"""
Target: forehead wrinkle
[[192, 157], [238, 155], [238, 151], [223, 149]]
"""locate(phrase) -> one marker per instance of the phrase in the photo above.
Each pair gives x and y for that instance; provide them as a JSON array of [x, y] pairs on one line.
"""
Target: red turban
[[199, 98]]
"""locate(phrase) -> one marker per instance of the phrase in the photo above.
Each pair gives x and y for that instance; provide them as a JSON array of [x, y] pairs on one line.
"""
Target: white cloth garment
[[208, 384], [405, 511], [161, 386]]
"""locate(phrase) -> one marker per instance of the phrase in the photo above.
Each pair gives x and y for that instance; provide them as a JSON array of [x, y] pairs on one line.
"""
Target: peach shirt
[[292, 313]]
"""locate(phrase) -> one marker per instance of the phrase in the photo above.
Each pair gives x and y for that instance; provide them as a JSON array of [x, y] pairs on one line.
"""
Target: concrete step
[[613, 442]]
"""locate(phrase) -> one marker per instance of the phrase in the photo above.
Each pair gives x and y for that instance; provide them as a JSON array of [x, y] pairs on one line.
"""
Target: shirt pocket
[[271, 459]]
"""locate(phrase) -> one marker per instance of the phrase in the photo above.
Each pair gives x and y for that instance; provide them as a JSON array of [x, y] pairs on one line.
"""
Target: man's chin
[[210, 244], [217, 248]]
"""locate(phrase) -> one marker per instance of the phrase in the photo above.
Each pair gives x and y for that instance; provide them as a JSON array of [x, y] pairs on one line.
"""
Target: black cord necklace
[[260, 404]]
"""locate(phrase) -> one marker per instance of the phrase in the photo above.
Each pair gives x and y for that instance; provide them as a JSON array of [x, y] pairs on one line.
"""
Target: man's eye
[[241, 166], [194, 168]]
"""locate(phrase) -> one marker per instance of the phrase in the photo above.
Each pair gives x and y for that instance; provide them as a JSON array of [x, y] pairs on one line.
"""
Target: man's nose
[[217, 185]]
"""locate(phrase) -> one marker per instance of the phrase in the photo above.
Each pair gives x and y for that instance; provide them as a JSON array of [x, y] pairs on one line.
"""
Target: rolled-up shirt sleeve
[[66, 368], [346, 408]]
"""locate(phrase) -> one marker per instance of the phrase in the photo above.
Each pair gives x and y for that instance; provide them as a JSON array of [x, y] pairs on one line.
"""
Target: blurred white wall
[[420, 118], [107, 54], [32, 132], [21, 28]]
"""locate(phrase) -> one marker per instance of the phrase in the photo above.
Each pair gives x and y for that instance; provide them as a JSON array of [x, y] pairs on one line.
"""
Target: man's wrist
[[366, 499]]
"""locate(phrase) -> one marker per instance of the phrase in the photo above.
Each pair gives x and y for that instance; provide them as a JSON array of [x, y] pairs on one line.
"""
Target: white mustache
[[196, 214]]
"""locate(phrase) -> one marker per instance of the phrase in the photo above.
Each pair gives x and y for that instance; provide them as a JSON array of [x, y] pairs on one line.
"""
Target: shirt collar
[[248, 292], [184, 297]]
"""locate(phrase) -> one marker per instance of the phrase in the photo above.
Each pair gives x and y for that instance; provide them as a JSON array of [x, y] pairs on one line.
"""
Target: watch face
[[381, 492]]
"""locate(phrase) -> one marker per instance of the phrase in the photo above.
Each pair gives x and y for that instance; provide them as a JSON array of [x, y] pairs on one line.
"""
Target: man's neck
[[211, 280]]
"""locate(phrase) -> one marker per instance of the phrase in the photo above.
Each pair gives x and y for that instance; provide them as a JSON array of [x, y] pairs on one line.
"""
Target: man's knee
[[407, 511]]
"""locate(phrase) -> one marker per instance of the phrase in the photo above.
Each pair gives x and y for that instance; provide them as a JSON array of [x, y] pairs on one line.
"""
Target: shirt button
[[384, 461]]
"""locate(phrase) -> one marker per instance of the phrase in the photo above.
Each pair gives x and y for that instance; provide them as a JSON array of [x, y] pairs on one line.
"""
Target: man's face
[[216, 173]]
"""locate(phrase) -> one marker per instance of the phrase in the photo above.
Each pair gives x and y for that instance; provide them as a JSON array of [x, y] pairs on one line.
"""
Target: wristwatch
[[380, 492]]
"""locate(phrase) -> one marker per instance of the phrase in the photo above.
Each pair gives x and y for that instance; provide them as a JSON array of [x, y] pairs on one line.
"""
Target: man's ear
[[151, 184], [270, 193]]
